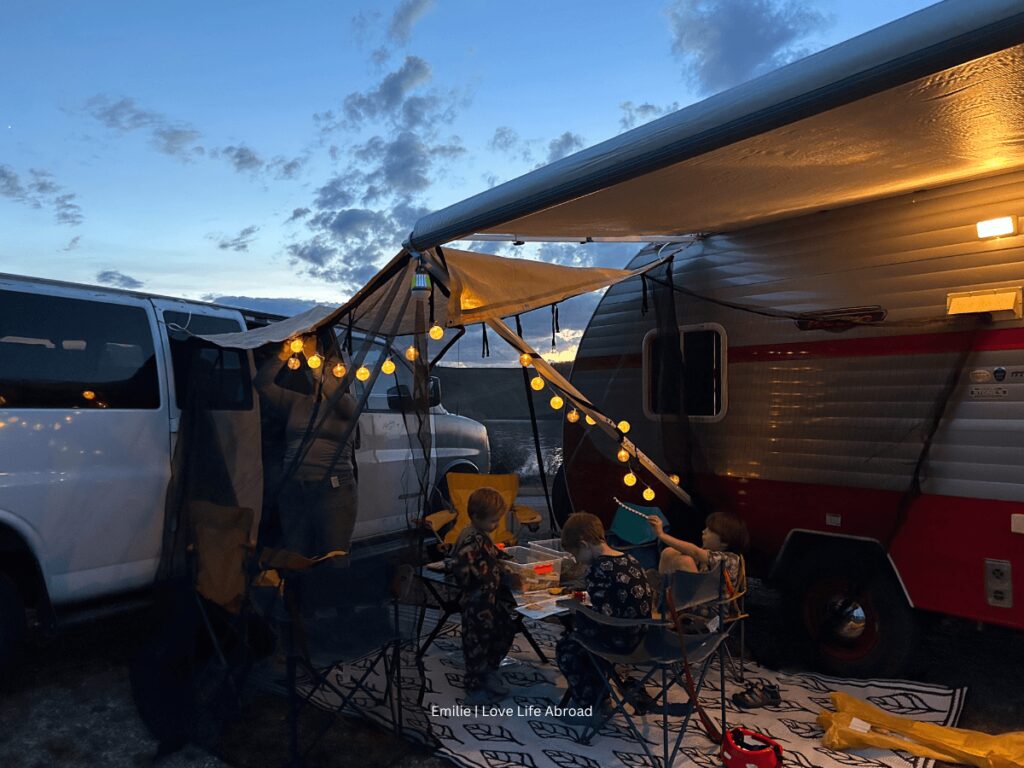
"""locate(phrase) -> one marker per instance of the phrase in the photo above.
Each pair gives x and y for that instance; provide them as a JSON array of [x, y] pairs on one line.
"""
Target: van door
[[85, 456]]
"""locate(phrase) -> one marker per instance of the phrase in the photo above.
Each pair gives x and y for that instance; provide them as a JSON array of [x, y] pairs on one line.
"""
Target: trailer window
[[225, 371], [57, 352], [697, 390]]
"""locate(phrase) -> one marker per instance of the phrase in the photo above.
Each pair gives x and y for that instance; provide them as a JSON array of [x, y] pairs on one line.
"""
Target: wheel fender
[[20, 546]]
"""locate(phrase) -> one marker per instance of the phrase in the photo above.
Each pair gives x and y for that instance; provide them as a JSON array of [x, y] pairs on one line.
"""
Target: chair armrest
[[438, 520], [525, 515], [575, 606]]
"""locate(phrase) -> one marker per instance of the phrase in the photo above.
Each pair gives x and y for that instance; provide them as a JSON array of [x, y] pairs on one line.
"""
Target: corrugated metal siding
[[856, 421]]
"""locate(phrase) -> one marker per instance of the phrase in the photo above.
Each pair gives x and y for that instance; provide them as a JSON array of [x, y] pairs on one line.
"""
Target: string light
[[674, 479], [436, 332], [622, 455], [88, 394], [411, 353], [295, 345], [314, 361], [590, 421], [648, 494], [629, 479], [338, 371], [537, 383], [557, 402], [526, 359], [294, 363], [388, 366], [572, 416], [362, 373], [623, 426]]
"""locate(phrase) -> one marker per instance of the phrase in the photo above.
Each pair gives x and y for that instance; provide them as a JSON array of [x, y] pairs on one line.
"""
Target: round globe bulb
[[314, 361], [557, 402], [629, 479], [362, 373], [622, 455], [411, 353], [623, 426], [572, 416], [338, 371], [436, 332], [295, 345], [674, 479], [388, 366], [294, 363], [88, 394], [648, 494], [590, 421], [537, 383], [526, 360]]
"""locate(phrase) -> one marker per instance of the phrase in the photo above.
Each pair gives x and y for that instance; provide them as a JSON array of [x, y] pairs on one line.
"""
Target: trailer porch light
[[1004, 225]]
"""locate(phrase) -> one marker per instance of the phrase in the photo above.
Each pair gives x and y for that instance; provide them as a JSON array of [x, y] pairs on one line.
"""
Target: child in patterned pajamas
[[487, 602]]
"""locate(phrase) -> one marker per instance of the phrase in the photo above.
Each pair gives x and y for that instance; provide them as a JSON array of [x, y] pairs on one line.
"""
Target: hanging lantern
[[623, 426], [590, 421], [88, 394], [526, 359], [436, 332], [411, 353], [629, 479], [338, 371], [295, 345], [557, 402], [420, 288], [294, 363], [648, 494], [622, 455], [388, 366], [674, 479], [572, 416], [362, 373], [537, 383], [314, 361]]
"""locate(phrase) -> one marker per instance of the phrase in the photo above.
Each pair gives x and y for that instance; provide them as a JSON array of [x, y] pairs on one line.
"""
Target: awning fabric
[[931, 99]]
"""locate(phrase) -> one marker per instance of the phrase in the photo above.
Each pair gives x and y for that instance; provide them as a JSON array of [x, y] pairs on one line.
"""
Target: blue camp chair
[[631, 533]]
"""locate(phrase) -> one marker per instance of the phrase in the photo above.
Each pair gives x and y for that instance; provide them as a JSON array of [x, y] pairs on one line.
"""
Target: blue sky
[[283, 150]]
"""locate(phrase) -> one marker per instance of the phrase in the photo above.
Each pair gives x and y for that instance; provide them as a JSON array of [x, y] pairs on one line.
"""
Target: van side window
[[225, 370], [57, 352], [378, 398], [701, 380]]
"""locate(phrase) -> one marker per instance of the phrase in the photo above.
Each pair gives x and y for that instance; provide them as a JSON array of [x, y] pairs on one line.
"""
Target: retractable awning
[[931, 99]]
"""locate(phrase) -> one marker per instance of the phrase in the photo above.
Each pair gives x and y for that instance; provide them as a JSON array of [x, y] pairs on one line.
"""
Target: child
[[487, 605], [617, 587], [724, 539]]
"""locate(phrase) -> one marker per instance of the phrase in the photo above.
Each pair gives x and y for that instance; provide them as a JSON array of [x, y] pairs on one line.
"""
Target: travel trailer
[[847, 272], [91, 383]]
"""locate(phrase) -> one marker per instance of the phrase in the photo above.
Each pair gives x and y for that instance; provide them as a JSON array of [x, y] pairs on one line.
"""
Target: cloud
[[406, 15], [124, 115], [297, 213], [10, 183], [504, 139], [72, 243], [637, 114], [388, 98], [117, 279], [725, 42], [284, 168], [239, 243], [40, 191], [282, 307], [242, 158], [565, 144], [66, 210]]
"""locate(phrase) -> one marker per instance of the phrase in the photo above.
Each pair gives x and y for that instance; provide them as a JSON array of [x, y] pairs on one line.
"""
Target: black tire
[[851, 614], [439, 496], [12, 625]]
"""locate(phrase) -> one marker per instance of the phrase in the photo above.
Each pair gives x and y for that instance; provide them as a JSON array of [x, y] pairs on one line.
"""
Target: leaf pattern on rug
[[802, 728], [533, 701], [906, 704], [526, 679], [614, 730], [807, 682], [849, 758], [455, 680], [489, 732], [702, 757], [547, 730], [508, 759], [570, 759], [633, 760]]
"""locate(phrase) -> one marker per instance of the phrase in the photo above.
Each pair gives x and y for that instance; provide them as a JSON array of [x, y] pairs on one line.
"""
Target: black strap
[[486, 349]]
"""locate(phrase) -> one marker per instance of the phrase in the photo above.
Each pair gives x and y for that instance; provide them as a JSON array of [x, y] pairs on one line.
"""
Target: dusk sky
[[284, 150]]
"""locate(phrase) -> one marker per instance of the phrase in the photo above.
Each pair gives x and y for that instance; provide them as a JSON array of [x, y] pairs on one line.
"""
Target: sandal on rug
[[757, 694]]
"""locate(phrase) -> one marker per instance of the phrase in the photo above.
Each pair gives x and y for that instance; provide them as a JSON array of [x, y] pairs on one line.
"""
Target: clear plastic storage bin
[[537, 569], [550, 547]]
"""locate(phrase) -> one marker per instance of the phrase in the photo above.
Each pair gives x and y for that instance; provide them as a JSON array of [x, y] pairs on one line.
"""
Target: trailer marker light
[[1004, 225]]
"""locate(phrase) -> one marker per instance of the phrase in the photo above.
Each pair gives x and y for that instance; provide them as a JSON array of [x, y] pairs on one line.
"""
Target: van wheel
[[12, 624], [439, 496], [852, 614]]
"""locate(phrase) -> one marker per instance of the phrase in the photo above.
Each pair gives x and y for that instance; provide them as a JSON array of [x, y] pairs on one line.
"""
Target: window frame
[[723, 367]]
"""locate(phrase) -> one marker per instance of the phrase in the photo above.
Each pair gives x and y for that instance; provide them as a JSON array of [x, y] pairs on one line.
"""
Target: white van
[[89, 386]]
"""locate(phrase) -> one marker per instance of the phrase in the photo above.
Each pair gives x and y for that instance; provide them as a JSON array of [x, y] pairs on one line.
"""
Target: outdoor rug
[[517, 733]]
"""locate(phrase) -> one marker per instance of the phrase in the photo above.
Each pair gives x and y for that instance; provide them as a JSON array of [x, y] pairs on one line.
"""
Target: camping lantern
[[388, 366], [648, 494], [623, 426], [338, 371], [537, 383], [590, 421], [572, 416], [526, 360], [420, 288], [362, 373], [293, 363], [314, 361], [295, 345], [436, 332], [622, 455], [557, 402], [411, 353], [629, 479]]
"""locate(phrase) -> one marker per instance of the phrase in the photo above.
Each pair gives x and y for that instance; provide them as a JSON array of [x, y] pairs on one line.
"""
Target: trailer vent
[[990, 300]]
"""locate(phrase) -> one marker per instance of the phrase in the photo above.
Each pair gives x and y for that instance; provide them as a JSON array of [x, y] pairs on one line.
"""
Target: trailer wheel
[[12, 624], [852, 614]]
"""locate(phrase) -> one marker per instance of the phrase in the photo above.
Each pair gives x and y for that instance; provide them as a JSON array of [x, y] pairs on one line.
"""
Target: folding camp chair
[[665, 657], [460, 487]]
